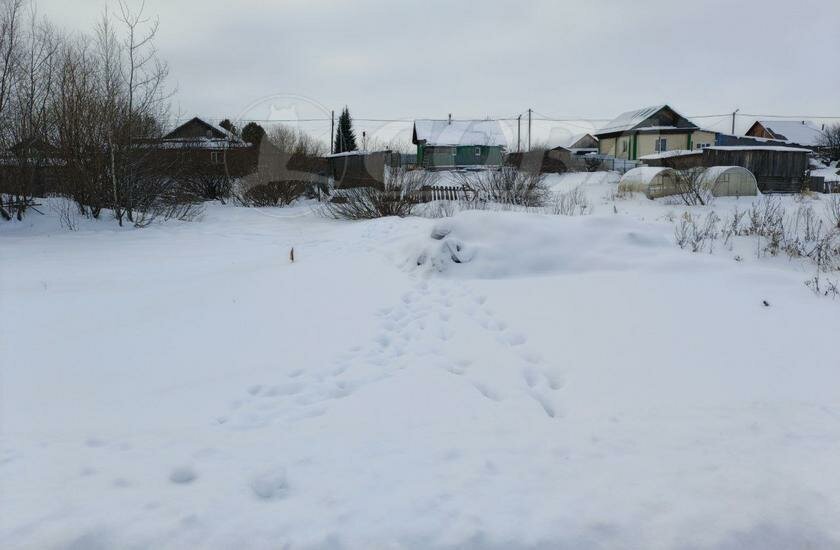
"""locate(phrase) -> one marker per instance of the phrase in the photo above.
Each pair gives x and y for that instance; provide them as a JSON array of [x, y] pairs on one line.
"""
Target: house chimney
[[450, 118]]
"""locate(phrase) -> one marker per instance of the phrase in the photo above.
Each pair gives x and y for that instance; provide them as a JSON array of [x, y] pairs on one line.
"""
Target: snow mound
[[494, 245], [270, 485], [182, 475]]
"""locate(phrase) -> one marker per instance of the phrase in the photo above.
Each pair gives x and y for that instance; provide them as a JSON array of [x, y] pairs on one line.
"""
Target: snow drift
[[498, 245]]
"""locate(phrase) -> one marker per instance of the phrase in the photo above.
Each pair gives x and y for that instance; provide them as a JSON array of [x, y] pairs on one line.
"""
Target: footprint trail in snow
[[431, 326]]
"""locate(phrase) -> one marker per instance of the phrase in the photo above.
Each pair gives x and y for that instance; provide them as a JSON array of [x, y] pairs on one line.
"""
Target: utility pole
[[519, 134], [529, 130], [735, 112], [332, 132]]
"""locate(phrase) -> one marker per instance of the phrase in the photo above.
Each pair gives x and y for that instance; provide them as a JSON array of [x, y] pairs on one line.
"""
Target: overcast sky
[[594, 59]]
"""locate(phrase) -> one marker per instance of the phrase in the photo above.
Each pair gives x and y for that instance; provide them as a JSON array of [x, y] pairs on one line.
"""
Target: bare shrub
[[690, 188], [825, 253], [203, 183], [823, 287], [691, 233], [398, 196], [806, 223], [733, 226], [572, 203], [66, 211], [165, 199], [832, 210], [766, 216], [440, 209], [830, 141], [592, 163], [275, 193], [507, 185], [618, 194]]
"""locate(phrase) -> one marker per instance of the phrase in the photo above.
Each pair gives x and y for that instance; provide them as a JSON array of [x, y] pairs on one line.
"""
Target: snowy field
[[575, 382]]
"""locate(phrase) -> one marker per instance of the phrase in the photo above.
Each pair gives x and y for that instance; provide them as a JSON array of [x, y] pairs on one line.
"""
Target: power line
[[791, 116], [542, 118]]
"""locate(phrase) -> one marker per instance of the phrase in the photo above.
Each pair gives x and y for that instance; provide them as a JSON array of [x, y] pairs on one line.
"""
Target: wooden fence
[[452, 193]]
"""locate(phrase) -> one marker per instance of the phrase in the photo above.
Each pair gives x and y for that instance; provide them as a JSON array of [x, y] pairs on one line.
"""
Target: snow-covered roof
[[198, 143], [631, 119], [346, 154], [672, 153], [759, 148], [216, 132], [459, 132], [357, 152], [574, 138], [800, 132]]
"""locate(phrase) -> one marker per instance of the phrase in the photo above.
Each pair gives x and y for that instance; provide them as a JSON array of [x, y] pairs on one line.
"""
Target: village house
[[651, 130], [802, 133], [199, 147], [448, 144]]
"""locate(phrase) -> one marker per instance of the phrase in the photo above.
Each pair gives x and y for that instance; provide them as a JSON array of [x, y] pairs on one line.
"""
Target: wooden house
[[801, 133], [200, 148], [453, 144], [651, 130]]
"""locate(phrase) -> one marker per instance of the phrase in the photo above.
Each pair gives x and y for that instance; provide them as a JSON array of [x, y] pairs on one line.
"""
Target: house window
[[215, 157], [478, 151], [703, 145], [661, 145]]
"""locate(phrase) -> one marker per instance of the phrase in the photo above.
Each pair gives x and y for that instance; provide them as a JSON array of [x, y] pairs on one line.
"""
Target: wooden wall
[[776, 171]]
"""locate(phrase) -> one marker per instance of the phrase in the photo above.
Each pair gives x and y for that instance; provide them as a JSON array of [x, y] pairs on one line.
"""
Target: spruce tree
[[253, 133], [228, 125], [345, 137]]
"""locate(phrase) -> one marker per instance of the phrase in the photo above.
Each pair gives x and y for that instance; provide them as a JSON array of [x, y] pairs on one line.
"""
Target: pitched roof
[[459, 132], [632, 120], [801, 132], [575, 138], [214, 131]]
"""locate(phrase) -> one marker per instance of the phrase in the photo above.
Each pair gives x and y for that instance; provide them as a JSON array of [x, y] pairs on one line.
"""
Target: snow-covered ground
[[574, 382]]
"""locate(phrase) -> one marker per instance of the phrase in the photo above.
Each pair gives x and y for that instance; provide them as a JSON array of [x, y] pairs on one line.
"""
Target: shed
[[677, 159], [729, 181], [776, 169], [653, 181], [358, 169]]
